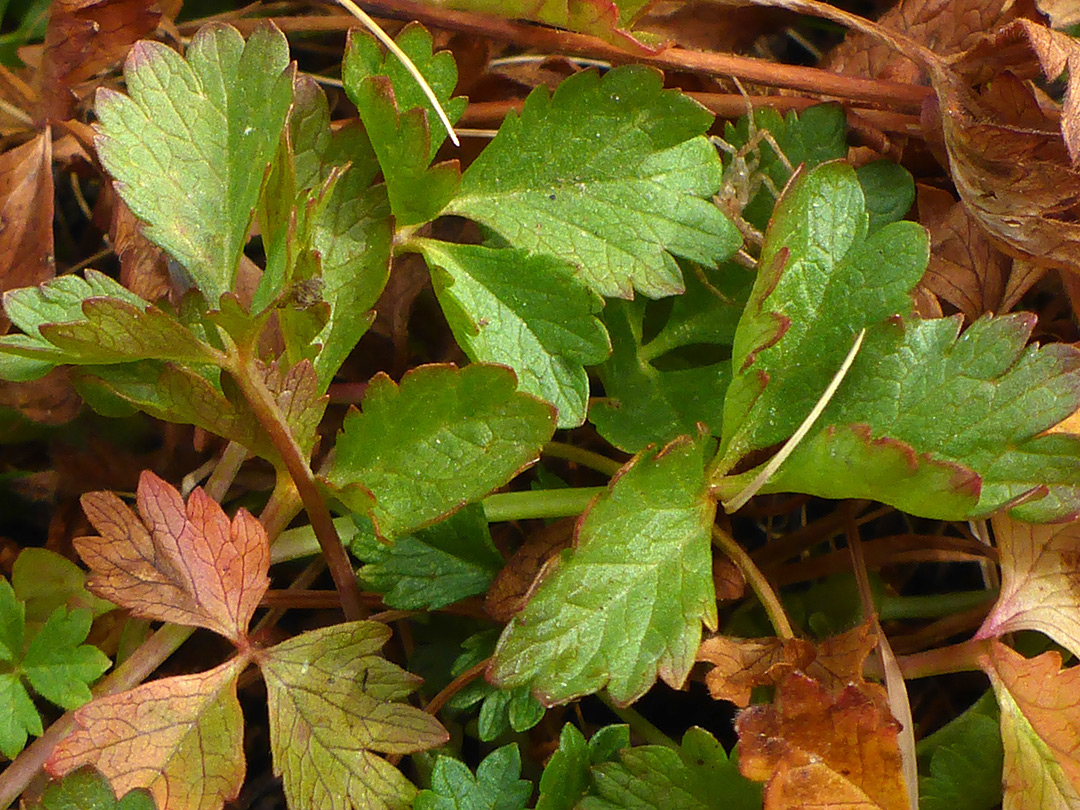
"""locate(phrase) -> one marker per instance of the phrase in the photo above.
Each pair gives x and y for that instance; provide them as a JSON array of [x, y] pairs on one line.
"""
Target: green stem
[[586, 458], [933, 606], [638, 724], [756, 580], [539, 503]]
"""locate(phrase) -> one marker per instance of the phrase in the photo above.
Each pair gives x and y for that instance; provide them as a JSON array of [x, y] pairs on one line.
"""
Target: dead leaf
[[742, 664], [840, 659], [26, 216], [186, 565], [943, 26], [819, 752], [728, 579], [144, 267], [1040, 728], [1062, 13], [181, 738], [510, 590], [83, 38], [49, 400], [1040, 581]]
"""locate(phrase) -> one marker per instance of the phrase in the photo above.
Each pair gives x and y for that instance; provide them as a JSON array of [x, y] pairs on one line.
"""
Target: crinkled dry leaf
[[1040, 728], [144, 267], [181, 738], [187, 565], [26, 216], [741, 664], [85, 37], [1062, 13], [1040, 581], [816, 751], [840, 659], [944, 26]]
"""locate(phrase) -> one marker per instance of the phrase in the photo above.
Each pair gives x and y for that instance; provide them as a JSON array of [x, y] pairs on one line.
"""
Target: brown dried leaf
[[181, 738], [144, 267], [26, 216], [1062, 13], [742, 664], [510, 590], [840, 659], [965, 269], [1040, 581], [944, 26], [49, 400], [189, 566], [83, 38], [1040, 728], [816, 751]]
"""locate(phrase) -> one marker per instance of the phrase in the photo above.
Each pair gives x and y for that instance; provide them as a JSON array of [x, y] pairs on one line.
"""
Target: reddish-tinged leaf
[[509, 592], [840, 659], [820, 752], [334, 702], [1040, 581], [188, 566], [181, 738], [85, 37], [1040, 728], [26, 215]]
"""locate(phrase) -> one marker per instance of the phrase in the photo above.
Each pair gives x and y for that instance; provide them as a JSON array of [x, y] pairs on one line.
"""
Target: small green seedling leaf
[[663, 385], [500, 709], [56, 664], [496, 786], [335, 702], [190, 143], [611, 174], [960, 763], [698, 776], [629, 601], [947, 424], [434, 567], [398, 119], [822, 278], [87, 789], [441, 439], [526, 311]]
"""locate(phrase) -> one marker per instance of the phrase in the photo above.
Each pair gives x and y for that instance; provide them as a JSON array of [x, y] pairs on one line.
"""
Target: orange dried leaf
[[26, 216], [741, 664], [1040, 728], [1040, 581], [840, 659], [181, 738], [816, 751], [186, 565]]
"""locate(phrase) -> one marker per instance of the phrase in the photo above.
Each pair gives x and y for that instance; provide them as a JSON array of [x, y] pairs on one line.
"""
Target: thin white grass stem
[[393, 47], [752, 488]]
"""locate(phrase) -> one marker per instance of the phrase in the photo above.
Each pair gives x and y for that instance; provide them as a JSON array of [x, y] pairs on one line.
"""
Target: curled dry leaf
[[1040, 728], [187, 565], [83, 38], [510, 590], [1040, 581], [26, 215], [817, 751]]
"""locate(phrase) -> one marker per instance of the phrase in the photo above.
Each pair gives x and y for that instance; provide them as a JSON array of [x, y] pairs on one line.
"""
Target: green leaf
[[87, 789], [699, 776], [496, 785], [334, 702], [95, 320], [821, 279], [56, 663], [401, 122], [662, 385], [528, 312], [441, 439], [190, 142], [45, 580], [629, 601], [889, 190], [500, 709], [611, 175], [566, 776], [814, 136], [961, 762], [435, 567], [948, 425]]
